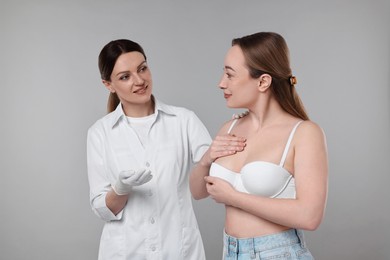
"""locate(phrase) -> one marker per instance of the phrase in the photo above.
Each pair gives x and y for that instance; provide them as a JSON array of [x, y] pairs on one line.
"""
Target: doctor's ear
[[108, 86], [264, 82]]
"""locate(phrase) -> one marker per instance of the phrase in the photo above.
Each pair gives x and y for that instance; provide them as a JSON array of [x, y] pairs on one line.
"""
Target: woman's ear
[[264, 82], [108, 86]]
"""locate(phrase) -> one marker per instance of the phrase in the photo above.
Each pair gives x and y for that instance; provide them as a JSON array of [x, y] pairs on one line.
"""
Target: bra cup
[[219, 171], [259, 178], [264, 178]]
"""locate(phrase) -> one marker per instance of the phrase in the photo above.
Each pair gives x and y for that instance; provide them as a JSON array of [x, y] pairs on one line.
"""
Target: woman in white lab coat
[[139, 157]]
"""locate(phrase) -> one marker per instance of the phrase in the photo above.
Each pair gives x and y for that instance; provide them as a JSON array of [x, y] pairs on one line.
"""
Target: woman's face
[[131, 79], [239, 88]]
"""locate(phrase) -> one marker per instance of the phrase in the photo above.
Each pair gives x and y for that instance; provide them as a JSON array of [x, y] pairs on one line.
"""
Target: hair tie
[[293, 81]]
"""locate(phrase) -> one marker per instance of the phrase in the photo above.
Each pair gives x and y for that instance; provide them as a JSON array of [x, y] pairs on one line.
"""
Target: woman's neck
[[267, 112], [139, 110]]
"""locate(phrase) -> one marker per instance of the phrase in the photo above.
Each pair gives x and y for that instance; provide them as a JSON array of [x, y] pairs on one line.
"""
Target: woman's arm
[[311, 180], [222, 145]]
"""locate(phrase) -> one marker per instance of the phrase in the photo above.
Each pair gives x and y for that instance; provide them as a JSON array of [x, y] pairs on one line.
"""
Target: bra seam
[[284, 187]]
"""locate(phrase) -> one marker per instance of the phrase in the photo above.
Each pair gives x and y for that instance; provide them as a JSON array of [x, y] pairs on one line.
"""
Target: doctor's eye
[[124, 77]]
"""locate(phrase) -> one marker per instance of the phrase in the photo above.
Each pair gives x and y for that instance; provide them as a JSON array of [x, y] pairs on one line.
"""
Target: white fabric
[[158, 222], [141, 126]]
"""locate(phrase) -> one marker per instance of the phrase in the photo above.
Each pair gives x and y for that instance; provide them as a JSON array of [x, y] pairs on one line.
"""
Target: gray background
[[51, 94]]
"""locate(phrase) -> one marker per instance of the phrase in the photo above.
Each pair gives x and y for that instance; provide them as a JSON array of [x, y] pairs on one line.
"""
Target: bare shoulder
[[310, 126], [309, 131]]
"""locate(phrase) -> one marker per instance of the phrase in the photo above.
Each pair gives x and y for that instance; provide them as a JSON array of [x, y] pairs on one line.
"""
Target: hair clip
[[293, 80]]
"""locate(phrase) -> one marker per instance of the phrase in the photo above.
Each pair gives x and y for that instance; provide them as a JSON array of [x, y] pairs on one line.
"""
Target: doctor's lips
[[141, 90]]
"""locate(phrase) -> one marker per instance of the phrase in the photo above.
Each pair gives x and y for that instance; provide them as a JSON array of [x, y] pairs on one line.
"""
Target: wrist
[[206, 163], [233, 199], [121, 192], [206, 160]]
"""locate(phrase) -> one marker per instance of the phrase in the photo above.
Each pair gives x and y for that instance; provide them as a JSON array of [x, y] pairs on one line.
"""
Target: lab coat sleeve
[[99, 183], [199, 137]]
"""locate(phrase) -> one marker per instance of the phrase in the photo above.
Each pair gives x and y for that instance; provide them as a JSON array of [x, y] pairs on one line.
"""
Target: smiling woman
[[132, 81], [142, 192]]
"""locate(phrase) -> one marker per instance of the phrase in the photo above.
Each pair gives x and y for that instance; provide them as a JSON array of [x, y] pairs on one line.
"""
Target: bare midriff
[[241, 224]]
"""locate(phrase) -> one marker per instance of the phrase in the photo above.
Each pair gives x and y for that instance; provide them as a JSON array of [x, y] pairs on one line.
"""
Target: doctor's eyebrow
[[138, 67]]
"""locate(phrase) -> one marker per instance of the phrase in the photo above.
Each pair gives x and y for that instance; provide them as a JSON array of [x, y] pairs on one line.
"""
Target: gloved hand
[[128, 179]]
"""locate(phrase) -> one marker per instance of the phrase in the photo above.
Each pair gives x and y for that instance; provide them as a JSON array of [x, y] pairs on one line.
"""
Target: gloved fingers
[[123, 175], [147, 176], [134, 178]]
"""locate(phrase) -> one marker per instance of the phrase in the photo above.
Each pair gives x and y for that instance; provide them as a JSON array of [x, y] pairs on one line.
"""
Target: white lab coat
[[158, 222]]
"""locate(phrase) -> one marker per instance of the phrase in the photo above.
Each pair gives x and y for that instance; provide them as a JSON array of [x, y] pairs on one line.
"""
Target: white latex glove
[[128, 179]]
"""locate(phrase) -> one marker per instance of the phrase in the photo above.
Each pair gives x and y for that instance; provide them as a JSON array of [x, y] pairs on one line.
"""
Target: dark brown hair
[[267, 52], [107, 59]]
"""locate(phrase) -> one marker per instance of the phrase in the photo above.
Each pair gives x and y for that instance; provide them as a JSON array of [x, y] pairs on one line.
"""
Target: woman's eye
[[124, 77], [228, 76], [143, 68]]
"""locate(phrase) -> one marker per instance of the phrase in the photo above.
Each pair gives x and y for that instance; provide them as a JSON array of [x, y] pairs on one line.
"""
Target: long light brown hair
[[107, 59], [267, 52]]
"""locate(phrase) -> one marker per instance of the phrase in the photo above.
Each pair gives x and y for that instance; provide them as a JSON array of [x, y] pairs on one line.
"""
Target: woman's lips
[[141, 90]]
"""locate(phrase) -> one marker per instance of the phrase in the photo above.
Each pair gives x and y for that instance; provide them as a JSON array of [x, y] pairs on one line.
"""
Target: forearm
[[197, 182], [115, 202], [287, 212]]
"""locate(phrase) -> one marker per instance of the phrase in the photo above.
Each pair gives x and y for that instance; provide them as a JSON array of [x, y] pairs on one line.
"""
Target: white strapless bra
[[259, 177]]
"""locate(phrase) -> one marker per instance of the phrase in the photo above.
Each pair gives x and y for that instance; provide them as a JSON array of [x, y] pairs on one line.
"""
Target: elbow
[[312, 222], [198, 193], [311, 226], [199, 196]]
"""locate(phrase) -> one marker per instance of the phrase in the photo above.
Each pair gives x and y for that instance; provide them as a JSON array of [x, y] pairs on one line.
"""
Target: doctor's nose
[[138, 80]]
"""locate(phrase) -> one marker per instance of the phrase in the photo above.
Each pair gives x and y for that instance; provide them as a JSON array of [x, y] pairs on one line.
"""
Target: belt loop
[[300, 237], [253, 249], [236, 246], [227, 241], [232, 246]]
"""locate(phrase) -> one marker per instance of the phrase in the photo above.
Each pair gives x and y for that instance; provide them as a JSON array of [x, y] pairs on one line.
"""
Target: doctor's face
[[131, 79]]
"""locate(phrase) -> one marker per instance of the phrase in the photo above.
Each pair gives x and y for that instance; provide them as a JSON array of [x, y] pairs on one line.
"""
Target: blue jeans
[[289, 244]]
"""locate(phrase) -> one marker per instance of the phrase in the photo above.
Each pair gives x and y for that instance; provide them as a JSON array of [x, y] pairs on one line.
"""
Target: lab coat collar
[[119, 114]]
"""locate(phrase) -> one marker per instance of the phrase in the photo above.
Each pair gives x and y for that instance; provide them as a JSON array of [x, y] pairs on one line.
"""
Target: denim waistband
[[262, 243]]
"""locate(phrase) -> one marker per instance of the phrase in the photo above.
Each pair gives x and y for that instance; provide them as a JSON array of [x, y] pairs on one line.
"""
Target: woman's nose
[[222, 84], [138, 80]]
